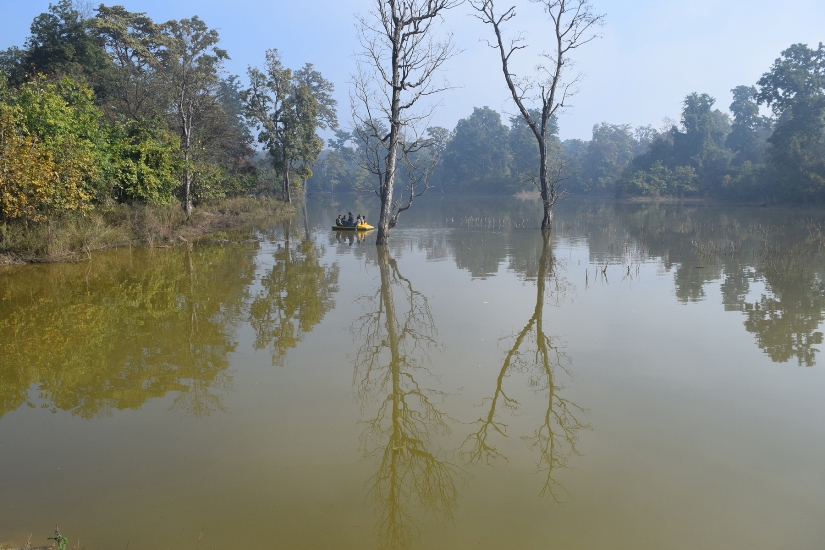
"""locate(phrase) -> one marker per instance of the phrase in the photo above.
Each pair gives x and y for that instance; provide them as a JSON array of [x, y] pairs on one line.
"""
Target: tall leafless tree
[[548, 88], [397, 68]]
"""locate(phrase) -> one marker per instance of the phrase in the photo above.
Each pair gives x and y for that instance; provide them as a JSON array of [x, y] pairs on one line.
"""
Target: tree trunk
[[383, 236], [546, 186], [306, 218], [287, 194], [187, 178], [385, 219], [547, 221]]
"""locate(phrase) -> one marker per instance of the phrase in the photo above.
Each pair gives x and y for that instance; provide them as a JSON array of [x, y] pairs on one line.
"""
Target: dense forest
[[739, 155], [108, 106]]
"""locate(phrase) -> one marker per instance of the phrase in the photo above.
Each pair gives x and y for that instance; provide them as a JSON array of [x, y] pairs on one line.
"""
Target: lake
[[650, 377]]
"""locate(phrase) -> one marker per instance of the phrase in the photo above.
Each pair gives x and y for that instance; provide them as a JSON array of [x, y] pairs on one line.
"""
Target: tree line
[[741, 154], [110, 106]]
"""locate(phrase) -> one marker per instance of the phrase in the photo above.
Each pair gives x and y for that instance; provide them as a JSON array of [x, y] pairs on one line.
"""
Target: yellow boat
[[359, 227]]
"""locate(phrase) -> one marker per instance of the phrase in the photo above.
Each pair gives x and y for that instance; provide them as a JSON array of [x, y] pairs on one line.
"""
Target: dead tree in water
[[396, 69], [573, 22]]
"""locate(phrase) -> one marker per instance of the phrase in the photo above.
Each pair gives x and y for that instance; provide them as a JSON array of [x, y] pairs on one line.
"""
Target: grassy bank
[[77, 235]]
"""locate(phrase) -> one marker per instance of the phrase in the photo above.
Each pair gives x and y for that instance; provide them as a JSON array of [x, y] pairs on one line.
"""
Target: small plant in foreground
[[59, 539]]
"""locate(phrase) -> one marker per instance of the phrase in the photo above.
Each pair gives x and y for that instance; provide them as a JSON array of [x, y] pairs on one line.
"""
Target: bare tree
[[573, 23], [396, 69]]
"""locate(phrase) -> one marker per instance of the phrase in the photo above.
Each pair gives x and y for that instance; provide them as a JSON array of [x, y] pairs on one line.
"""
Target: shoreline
[[74, 237], [690, 201]]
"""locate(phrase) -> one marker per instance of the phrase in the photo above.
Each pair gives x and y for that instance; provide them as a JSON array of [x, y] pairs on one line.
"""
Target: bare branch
[[397, 68], [546, 90]]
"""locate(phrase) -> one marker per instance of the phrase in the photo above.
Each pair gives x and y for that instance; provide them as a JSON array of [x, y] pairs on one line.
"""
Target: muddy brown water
[[651, 377]]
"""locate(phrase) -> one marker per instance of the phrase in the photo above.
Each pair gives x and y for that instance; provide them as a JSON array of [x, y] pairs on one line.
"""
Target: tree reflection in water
[[123, 329], [295, 295], [540, 356], [411, 477]]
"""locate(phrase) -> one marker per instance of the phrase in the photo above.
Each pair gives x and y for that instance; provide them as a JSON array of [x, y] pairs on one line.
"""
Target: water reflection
[[295, 295], [412, 477], [350, 237], [785, 318], [124, 328], [776, 254], [541, 358]]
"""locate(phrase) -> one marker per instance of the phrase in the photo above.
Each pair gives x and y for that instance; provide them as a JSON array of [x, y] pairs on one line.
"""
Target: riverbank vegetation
[[110, 121], [75, 235]]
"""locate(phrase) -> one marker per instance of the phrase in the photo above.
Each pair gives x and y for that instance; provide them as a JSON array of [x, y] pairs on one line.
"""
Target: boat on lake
[[356, 227]]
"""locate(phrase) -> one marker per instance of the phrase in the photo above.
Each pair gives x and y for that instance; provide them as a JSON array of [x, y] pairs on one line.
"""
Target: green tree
[[28, 177], [61, 125], [136, 45], [690, 160], [60, 43], [750, 130], [609, 152], [192, 63], [701, 145], [795, 89], [288, 108], [145, 164], [477, 158]]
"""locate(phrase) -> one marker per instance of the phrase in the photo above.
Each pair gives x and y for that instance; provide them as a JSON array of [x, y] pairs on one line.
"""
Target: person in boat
[[350, 221], [338, 221], [359, 220]]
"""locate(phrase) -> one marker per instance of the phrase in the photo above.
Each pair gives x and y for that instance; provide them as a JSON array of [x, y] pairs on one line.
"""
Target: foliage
[[659, 180], [607, 154], [59, 539], [50, 155], [28, 177], [145, 164], [288, 108], [60, 43], [109, 105], [794, 88], [749, 131], [477, 158]]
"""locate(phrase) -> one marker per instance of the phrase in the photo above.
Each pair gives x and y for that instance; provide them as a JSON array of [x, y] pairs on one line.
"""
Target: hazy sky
[[652, 52]]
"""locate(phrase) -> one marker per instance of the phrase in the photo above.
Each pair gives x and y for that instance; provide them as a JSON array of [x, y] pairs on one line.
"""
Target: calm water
[[650, 378]]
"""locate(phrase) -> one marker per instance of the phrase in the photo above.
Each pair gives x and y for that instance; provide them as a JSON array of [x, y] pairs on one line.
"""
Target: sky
[[650, 55]]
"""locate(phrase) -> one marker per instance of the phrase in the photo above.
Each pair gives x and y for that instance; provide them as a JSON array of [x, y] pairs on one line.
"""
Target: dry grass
[[75, 236]]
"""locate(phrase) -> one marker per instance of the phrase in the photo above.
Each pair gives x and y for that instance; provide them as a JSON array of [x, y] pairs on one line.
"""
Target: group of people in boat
[[344, 221]]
